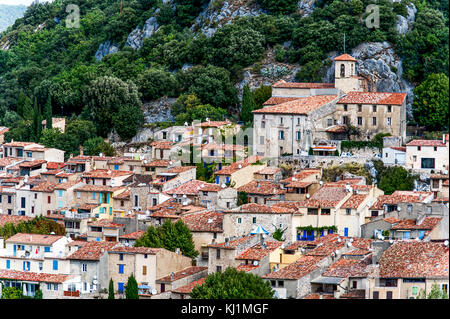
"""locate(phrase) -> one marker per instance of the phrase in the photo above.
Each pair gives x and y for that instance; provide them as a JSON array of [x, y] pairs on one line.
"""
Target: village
[[257, 199]]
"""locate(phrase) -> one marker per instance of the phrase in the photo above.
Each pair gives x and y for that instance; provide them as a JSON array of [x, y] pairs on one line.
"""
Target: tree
[[261, 95], [435, 293], [169, 236], [248, 105], [395, 178], [111, 289], [114, 104], [38, 294], [242, 198], [279, 6], [131, 291], [48, 113], [37, 122], [278, 234], [154, 83], [95, 146], [12, 293], [430, 106], [233, 284]]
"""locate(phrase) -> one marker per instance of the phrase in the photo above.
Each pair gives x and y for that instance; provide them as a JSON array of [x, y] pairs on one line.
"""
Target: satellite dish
[[294, 179], [184, 196], [239, 166], [446, 243], [154, 291], [351, 240], [255, 263], [399, 208], [391, 241], [308, 196], [174, 195], [224, 185], [349, 244], [339, 240], [52, 233], [336, 252], [321, 183]]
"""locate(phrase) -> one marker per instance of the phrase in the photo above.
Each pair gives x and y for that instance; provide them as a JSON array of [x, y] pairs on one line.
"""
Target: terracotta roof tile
[[257, 252], [32, 276], [437, 143], [274, 100], [204, 222], [302, 105], [261, 209], [13, 219], [345, 268], [93, 250], [134, 235], [187, 289], [428, 223], [262, 188], [345, 57], [37, 239], [373, 98], [298, 269], [234, 167], [182, 274]]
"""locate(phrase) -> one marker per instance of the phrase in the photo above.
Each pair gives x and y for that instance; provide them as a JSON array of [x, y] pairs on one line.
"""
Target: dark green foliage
[[205, 172], [248, 105], [111, 289], [435, 293], [95, 146], [154, 84], [242, 198], [394, 178], [261, 95], [38, 225], [233, 284], [131, 291], [169, 236], [12, 293], [278, 234], [431, 102], [48, 113], [37, 122], [38, 294], [279, 6]]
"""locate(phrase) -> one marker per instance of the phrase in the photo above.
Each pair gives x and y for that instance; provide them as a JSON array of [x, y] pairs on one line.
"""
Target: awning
[[327, 280], [259, 230]]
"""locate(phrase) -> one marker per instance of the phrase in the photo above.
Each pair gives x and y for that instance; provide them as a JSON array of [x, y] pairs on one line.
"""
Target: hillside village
[[267, 206]]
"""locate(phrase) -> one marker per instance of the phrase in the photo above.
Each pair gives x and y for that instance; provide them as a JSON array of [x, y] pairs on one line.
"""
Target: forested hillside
[[47, 68]]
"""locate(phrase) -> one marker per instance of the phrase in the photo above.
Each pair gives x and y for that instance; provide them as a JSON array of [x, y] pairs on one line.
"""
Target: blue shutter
[[8, 264], [116, 167], [228, 180], [346, 232], [107, 198], [120, 269], [421, 234], [120, 286], [101, 197], [217, 179], [407, 235], [55, 265]]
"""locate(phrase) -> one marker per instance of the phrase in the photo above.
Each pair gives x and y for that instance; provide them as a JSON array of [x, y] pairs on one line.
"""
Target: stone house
[[259, 191], [439, 185], [428, 155], [7, 200], [174, 177], [104, 230], [239, 173], [246, 218], [406, 268], [146, 264], [394, 155], [302, 184], [161, 150], [96, 199], [180, 278], [269, 174]]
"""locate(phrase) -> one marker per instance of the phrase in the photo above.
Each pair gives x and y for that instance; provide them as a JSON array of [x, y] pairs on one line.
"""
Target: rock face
[[214, 17], [404, 24], [137, 36], [306, 7], [378, 63], [105, 49], [159, 110]]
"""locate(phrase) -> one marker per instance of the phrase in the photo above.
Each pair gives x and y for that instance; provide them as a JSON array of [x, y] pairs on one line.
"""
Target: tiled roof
[[327, 248], [182, 274], [157, 163], [3, 129], [302, 105], [319, 296], [426, 143], [232, 244], [373, 98], [105, 173], [187, 289], [193, 187], [262, 188], [93, 250], [337, 129], [269, 171], [47, 187], [299, 85], [134, 250], [328, 197], [37, 239], [412, 259], [97, 188], [162, 145], [400, 197], [32, 163], [204, 222], [303, 266], [301, 175], [246, 268], [13, 219], [5, 161], [438, 176], [261, 209], [345, 57], [427, 223], [345, 268], [257, 252], [225, 147], [66, 185], [104, 223], [18, 144], [134, 235], [274, 100], [400, 149], [32, 276], [213, 123], [234, 167], [180, 169], [355, 201]]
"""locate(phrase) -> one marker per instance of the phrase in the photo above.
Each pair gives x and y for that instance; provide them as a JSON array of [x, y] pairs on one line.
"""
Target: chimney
[[81, 150]]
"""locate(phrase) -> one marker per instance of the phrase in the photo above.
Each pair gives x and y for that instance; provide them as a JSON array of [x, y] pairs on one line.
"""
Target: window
[[261, 140], [359, 120], [359, 108], [78, 194], [389, 121], [281, 135], [348, 211], [298, 121], [49, 199], [410, 207], [145, 256], [342, 70], [136, 200], [298, 135], [435, 148], [389, 109], [313, 211], [254, 220], [330, 122], [273, 283], [121, 269], [354, 284], [325, 211], [414, 290], [239, 220], [263, 124], [374, 121], [217, 253], [419, 148], [94, 195], [345, 107], [374, 108], [8, 264], [120, 286], [120, 257], [444, 287], [41, 265], [22, 202], [344, 120], [144, 270], [427, 163], [376, 295], [55, 265], [414, 158], [281, 120], [280, 283], [83, 267], [49, 286], [47, 249], [219, 268], [388, 294]]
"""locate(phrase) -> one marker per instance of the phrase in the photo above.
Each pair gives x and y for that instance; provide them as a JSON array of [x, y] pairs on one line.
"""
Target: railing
[[72, 293]]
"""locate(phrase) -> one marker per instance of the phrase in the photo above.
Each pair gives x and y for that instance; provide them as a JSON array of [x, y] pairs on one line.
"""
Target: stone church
[[299, 116]]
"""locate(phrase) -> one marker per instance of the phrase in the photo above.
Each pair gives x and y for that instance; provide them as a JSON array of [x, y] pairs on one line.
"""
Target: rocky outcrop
[[404, 24], [216, 15], [105, 49], [306, 7], [136, 37], [159, 110], [378, 63]]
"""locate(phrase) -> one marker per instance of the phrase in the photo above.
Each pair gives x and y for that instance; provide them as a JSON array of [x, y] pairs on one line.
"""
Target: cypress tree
[[132, 288], [248, 105], [48, 112], [37, 121], [111, 289]]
